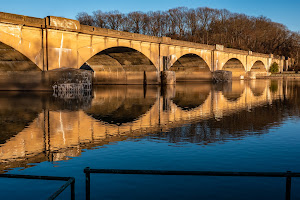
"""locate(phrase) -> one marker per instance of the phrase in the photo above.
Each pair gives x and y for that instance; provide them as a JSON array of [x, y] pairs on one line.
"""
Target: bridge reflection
[[121, 104], [39, 127]]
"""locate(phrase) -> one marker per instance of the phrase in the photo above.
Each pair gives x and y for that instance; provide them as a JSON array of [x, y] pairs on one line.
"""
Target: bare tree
[[114, 20], [137, 21], [85, 18], [100, 19]]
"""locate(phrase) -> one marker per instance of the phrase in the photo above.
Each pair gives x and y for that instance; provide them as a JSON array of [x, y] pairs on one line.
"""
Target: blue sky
[[286, 12]]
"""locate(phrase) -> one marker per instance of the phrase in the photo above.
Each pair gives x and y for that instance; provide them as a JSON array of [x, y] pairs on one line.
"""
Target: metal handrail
[[70, 181], [288, 175]]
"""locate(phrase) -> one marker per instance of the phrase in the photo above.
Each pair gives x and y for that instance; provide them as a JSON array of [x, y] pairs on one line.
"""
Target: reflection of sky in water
[[191, 139]]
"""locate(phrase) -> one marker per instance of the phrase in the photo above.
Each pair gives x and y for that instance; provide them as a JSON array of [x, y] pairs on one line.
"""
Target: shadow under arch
[[122, 65], [234, 90], [191, 67], [258, 66], [191, 96], [121, 104], [13, 60], [235, 66]]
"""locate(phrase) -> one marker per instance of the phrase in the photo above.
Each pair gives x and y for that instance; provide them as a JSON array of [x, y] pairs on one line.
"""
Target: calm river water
[[239, 126]]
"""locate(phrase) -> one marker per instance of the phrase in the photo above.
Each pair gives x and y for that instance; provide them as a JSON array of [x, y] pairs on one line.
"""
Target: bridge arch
[[24, 44], [98, 44], [122, 65], [235, 66], [191, 65], [258, 66], [205, 55], [13, 60]]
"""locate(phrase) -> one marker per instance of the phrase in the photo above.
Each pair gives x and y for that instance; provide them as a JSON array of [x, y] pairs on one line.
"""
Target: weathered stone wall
[[193, 76], [38, 80], [21, 19], [125, 77]]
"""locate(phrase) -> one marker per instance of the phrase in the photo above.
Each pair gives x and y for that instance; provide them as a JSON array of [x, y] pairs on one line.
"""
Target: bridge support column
[[168, 78], [216, 65]]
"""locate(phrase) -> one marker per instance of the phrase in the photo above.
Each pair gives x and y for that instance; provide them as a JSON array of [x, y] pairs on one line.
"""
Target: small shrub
[[274, 68]]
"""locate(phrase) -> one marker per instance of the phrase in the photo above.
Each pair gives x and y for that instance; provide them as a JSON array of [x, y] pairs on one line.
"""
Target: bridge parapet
[[191, 44], [91, 29], [21, 19], [134, 36], [260, 55], [146, 37], [236, 51], [63, 23], [119, 34]]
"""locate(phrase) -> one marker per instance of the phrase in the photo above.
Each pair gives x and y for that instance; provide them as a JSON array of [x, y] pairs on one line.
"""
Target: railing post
[[288, 175], [288, 186], [73, 190], [87, 183]]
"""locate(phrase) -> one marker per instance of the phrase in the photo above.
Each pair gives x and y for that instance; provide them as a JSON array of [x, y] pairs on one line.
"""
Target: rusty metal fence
[[288, 175], [70, 181]]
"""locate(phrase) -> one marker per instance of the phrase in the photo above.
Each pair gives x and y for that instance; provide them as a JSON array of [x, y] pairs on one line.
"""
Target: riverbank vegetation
[[274, 68], [204, 25]]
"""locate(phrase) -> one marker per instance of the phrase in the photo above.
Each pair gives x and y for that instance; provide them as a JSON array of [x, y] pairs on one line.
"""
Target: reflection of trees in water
[[274, 86]]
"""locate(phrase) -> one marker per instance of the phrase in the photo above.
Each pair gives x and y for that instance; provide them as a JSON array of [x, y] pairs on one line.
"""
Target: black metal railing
[[69, 181], [288, 175]]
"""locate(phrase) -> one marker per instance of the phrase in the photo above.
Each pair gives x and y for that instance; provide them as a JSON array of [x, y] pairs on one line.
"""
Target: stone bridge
[[38, 45]]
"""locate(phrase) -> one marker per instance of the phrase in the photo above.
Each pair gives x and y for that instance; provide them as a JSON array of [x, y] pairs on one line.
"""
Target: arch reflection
[[232, 91], [257, 87], [122, 104], [54, 132], [190, 96]]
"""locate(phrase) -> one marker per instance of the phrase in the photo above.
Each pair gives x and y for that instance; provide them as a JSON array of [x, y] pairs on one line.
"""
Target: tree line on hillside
[[204, 25]]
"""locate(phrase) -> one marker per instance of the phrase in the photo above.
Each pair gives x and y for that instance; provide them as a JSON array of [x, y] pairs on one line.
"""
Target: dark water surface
[[239, 126]]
